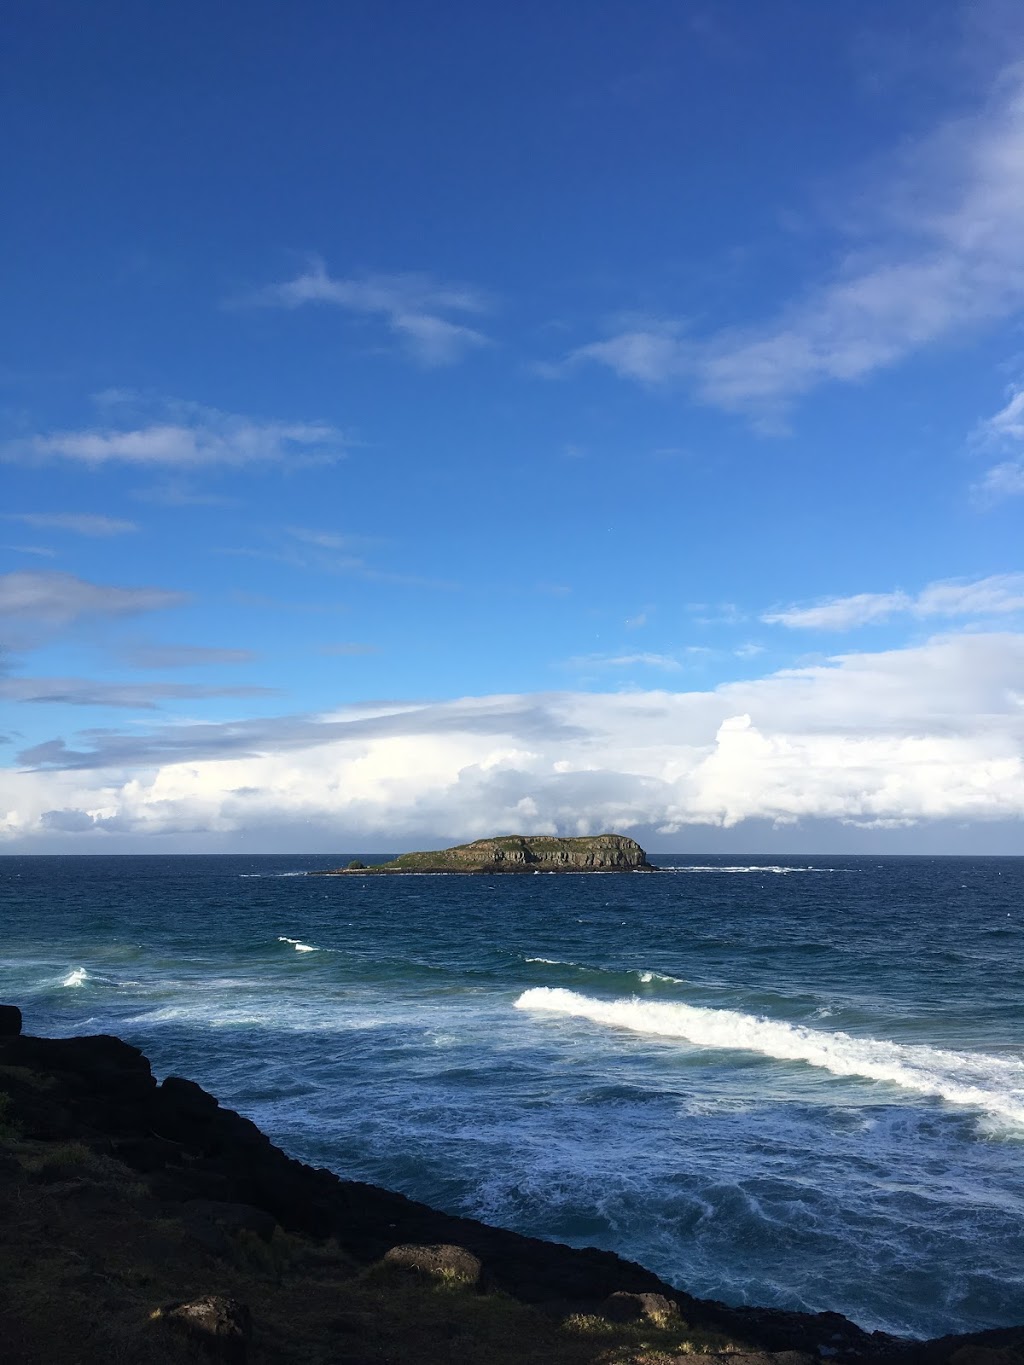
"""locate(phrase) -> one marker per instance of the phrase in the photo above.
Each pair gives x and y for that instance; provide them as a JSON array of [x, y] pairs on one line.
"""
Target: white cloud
[[886, 739], [183, 435], [411, 306], [57, 599], [82, 523], [40, 551], [1005, 432], [642, 659], [948, 257], [998, 595], [649, 356]]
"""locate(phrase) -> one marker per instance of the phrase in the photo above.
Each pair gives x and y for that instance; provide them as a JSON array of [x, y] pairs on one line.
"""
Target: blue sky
[[417, 422]]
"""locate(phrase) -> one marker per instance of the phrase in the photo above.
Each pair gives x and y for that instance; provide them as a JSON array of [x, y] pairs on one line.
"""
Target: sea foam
[[753, 867], [78, 976], [298, 945], [992, 1084]]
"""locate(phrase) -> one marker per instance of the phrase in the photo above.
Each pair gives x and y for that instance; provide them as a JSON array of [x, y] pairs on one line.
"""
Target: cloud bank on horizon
[[430, 437]]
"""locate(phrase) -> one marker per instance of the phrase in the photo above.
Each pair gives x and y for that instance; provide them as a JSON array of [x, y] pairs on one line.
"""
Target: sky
[[420, 422]]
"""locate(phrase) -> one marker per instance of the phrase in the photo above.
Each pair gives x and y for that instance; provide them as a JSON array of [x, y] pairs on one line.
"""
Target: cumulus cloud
[[57, 599], [81, 523], [412, 307], [883, 739], [182, 435], [998, 595], [948, 257]]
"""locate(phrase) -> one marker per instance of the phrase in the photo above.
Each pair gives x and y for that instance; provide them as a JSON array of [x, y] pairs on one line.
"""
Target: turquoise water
[[796, 1082]]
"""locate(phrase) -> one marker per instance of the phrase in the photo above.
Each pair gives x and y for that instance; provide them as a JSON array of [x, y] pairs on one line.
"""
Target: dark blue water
[[797, 1082]]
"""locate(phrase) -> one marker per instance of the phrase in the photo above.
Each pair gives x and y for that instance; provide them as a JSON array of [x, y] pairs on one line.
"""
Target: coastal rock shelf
[[517, 853]]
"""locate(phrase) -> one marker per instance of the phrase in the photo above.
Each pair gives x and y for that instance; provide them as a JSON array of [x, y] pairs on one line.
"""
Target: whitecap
[[993, 1084], [774, 868], [78, 976], [298, 945]]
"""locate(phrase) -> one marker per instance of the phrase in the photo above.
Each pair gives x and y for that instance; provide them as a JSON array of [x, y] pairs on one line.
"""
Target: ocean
[[795, 1082]]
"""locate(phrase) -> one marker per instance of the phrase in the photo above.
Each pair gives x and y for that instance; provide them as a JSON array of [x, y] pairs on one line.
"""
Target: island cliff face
[[521, 853]]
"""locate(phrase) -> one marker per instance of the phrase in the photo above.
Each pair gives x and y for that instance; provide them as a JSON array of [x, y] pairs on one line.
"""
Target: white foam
[[755, 867], [78, 976], [298, 945], [644, 976], [992, 1084]]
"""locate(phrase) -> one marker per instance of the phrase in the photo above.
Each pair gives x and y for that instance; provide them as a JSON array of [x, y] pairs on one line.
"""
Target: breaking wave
[[298, 945], [992, 1084], [754, 867]]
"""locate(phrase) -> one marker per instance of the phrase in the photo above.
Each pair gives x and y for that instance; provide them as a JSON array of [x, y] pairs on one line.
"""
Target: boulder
[[10, 1021], [623, 1307], [443, 1262], [221, 1326]]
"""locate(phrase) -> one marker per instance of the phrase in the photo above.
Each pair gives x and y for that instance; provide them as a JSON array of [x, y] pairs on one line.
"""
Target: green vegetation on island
[[517, 853]]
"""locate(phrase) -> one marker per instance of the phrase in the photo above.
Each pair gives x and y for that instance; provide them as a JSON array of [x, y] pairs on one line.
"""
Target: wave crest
[[979, 1080]]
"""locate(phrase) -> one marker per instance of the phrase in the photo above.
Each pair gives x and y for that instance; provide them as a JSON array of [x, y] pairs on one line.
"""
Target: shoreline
[[97, 1095]]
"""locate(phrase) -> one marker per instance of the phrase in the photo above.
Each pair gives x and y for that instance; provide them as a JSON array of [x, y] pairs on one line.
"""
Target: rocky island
[[517, 853]]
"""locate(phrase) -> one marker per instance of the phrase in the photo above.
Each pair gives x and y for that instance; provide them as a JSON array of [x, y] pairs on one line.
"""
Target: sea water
[[795, 1082]]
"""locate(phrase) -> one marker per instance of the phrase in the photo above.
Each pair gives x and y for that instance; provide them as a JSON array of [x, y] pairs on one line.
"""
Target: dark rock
[[10, 1021], [187, 1097], [986, 1355], [439, 1262], [752, 1358], [221, 1326], [623, 1307]]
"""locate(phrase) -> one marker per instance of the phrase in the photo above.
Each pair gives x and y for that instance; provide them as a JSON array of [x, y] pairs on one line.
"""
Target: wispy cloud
[[638, 660], [178, 494], [183, 435], [131, 696], [183, 656], [413, 308], [652, 354], [81, 523], [41, 551], [1004, 432], [329, 540], [57, 599], [997, 595], [329, 552], [348, 648], [947, 257]]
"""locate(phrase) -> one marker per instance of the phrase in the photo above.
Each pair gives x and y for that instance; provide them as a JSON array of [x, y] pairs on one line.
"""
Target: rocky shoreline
[[143, 1221]]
